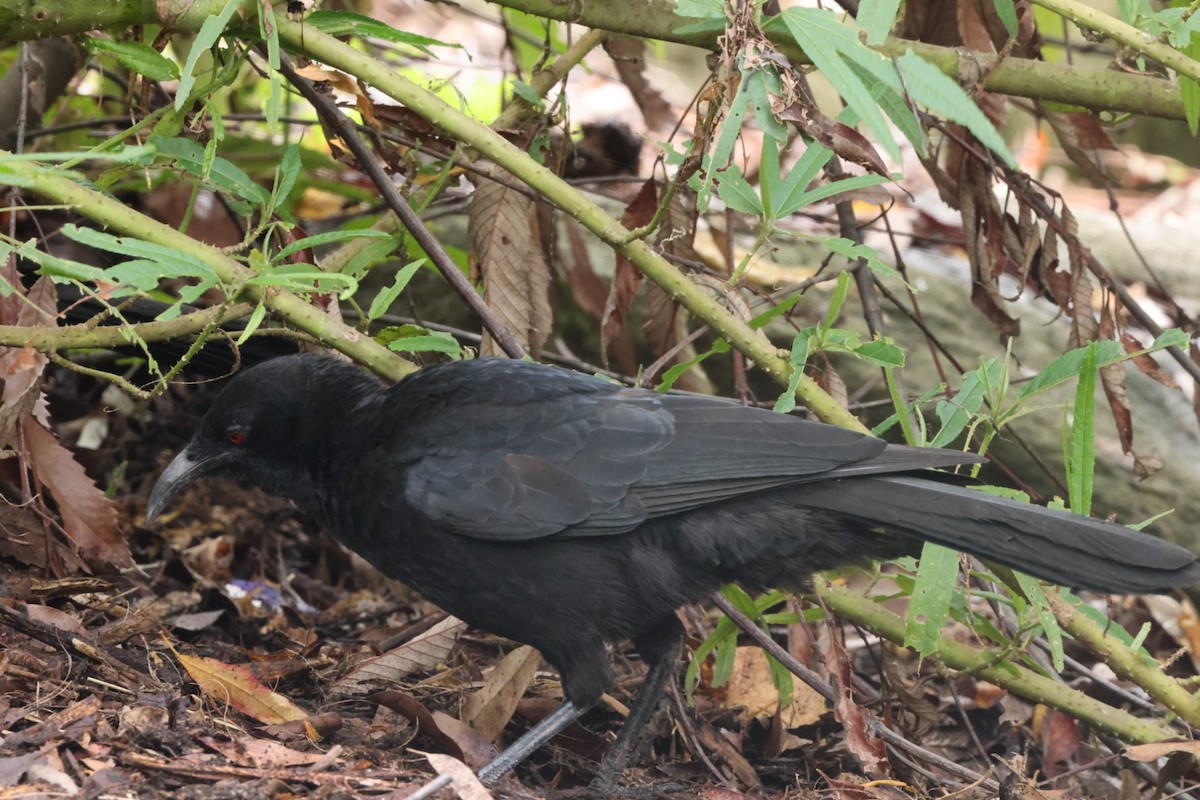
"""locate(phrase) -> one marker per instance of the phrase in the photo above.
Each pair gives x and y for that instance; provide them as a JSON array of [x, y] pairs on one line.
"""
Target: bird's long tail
[[1064, 548]]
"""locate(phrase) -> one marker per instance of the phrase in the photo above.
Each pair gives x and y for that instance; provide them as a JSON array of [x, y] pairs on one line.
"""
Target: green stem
[[340, 55], [1124, 34], [1017, 679], [109, 212]]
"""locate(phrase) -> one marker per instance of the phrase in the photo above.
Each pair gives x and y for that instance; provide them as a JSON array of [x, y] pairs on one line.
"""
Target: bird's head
[[266, 426]]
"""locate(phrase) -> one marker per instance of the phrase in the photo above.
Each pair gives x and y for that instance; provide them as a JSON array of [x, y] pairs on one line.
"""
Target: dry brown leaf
[[750, 687], [89, 518], [1080, 134], [411, 709], [1152, 751], [868, 750], [462, 777], [477, 750], [489, 709], [627, 279], [422, 653], [1060, 741], [238, 686], [503, 228]]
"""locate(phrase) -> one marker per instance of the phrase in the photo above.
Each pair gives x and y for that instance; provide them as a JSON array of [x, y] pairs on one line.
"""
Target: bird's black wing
[[504, 450]]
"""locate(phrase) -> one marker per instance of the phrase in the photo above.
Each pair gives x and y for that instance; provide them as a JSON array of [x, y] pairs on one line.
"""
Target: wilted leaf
[[1080, 133], [1152, 751], [462, 777], [750, 687], [238, 686], [516, 278], [89, 518], [420, 654], [411, 709], [490, 708], [627, 279]]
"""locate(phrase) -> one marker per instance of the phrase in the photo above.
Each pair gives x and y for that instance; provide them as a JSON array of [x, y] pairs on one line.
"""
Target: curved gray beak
[[178, 475]]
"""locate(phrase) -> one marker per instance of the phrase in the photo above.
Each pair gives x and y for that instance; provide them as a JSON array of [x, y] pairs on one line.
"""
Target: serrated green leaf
[[829, 43], [136, 56], [256, 318], [223, 174], [1045, 616], [957, 413], [876, 18], [881, 352], [930, 87], [148, 257], [383, 301], [58, 269], [933, 590], [347, 23], [329, 237], [796, 360], [304, 278], [428, 342], [737, 193], [1067, 366], [671, 375], [1081, 455], [206, 38]]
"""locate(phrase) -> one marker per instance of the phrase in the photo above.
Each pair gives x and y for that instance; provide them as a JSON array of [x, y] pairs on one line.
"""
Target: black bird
[[567, 512]]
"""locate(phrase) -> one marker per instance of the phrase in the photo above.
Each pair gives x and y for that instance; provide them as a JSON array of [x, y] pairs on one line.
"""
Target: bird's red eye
[[236, 437]]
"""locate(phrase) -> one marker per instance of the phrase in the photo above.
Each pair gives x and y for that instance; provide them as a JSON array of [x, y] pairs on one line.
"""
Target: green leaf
[[1045, 615], [1081, 455], [930, 87], [852, 250], [1006, 10], [840, 292], [222, 174], [881, 352], [830, 43], [347, 23], [58, 269], [791, 196], [370, 255], [1067, 367], [416, 339], [256, 319], [136, 56], [206, 38], [329, 237], [304, 278], [876, 18], [787, 399], [167, 262], [937, 576], [704, 9], [1189, 90], [957, 413], [762, 83], [737, 193], [383, 301], [670, 376]]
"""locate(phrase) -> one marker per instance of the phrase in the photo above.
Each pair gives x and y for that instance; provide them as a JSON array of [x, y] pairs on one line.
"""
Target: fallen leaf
[[422, 653], [489, 709], [462, 777], [238, 686]]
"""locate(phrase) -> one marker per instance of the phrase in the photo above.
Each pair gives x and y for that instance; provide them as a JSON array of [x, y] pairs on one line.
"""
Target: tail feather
[[1064, 548]]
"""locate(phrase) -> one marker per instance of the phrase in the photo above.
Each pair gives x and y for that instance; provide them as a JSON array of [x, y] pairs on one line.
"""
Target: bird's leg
[[531, 740], [608, 777], [659, 647]]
